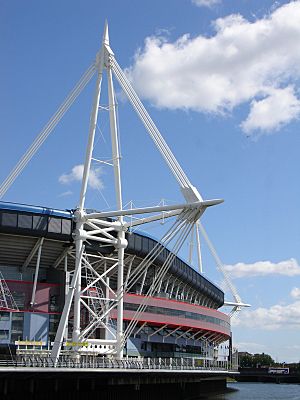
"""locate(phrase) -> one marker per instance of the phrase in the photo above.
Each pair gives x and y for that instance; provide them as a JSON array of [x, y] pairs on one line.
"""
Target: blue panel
[[34, 209], [36, 327], [133, 347]]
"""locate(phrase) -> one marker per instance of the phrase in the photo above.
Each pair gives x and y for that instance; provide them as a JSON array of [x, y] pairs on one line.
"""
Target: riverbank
[[263, 375]]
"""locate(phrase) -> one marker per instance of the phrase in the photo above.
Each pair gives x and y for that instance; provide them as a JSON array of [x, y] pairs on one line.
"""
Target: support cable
[[190, 220], [182, 237], [219, 264], [154, 137], [158, 249], [154, 253], [48, 128], [150, 126], [154, 287], [149, 259]]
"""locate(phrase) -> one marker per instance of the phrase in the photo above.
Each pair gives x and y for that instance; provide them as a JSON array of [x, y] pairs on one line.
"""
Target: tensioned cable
[[190, 220], [157, 248], [139, 271], [156, 251], [143, 113], [182, 237], [150, 126], [48, 128], [145, 300], [154, 287], [219, 264]]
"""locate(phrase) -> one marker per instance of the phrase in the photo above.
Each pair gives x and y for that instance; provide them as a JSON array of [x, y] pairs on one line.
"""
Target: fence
[[108, 363]]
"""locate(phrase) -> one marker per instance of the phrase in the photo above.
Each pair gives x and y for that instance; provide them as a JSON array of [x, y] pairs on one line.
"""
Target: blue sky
[[221, 81]]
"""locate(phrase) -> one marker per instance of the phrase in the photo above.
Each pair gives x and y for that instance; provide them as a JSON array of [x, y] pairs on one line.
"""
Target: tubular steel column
[[80, 233], [67, 288], [76, 327], [36, 273], [86, 171], [122, 242], [199, 248]]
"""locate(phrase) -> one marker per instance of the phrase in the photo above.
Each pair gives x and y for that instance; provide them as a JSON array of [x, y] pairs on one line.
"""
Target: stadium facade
[[81, 283], [181, 318]]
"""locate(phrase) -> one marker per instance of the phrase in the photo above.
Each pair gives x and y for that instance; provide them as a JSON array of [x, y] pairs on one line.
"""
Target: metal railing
[[108, 363]]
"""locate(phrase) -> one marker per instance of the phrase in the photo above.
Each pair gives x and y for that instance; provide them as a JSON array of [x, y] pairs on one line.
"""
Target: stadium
[[180, 319], [81, 284]]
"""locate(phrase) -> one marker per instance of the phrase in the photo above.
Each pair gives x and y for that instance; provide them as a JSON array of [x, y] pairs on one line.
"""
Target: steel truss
[[90, 291]]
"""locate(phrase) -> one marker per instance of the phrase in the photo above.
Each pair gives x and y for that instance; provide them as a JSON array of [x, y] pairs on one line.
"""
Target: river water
[[260, 391]]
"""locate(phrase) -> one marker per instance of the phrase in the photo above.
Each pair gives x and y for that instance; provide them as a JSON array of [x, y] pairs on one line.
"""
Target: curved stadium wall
[[181, 318]]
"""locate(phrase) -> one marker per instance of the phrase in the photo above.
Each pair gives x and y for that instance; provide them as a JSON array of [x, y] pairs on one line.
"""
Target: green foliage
[[246, 360], [255, 360]]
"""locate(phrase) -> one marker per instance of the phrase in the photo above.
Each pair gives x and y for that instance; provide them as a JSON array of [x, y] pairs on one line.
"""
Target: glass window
[[53, 325], [54, 225], [17, 326], [178, 313], [19, 298], [9, 219], [138, 243], [39, 222], [66, 226], [145, 242], [53, 304], [4, 335], [4, 316], [151, 244], [25, 221]]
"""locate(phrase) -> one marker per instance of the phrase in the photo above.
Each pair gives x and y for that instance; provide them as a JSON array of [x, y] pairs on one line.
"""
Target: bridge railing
[[128, 363]]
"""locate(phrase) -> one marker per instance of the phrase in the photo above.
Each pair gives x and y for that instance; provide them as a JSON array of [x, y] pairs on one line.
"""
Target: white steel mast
[[122, 242], [79, 237], [109, 228], [79, 234]]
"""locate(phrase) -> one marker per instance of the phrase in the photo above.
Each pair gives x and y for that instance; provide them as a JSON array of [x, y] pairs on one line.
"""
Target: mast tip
[[105, 33]]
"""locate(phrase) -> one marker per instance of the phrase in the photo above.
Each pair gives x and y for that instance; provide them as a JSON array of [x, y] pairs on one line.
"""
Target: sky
[[221, 81]]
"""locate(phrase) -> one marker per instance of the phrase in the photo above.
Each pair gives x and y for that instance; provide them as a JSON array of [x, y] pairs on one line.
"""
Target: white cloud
[[294, 347], [241, 62], [275, 317], [263, 268], [206, 3], [295, 293], [250, 347], [272, 112], [76, 175], [67, 193]]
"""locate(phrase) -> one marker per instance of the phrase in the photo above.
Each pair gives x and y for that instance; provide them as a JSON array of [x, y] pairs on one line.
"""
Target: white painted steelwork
[[7, 302], [100, 227], [99, 298]]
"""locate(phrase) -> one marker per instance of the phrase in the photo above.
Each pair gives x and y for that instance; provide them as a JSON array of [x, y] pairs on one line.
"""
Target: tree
[[247, 360], [263, 359]]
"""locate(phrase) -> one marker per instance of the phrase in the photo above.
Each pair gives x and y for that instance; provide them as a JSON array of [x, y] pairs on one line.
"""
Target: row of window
[[178, 313], [145, 245], [22, 301], [42, 223], [17, 326], [4, 316]]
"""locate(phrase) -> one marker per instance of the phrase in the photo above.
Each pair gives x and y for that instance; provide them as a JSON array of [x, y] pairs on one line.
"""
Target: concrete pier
[[52, 383]]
